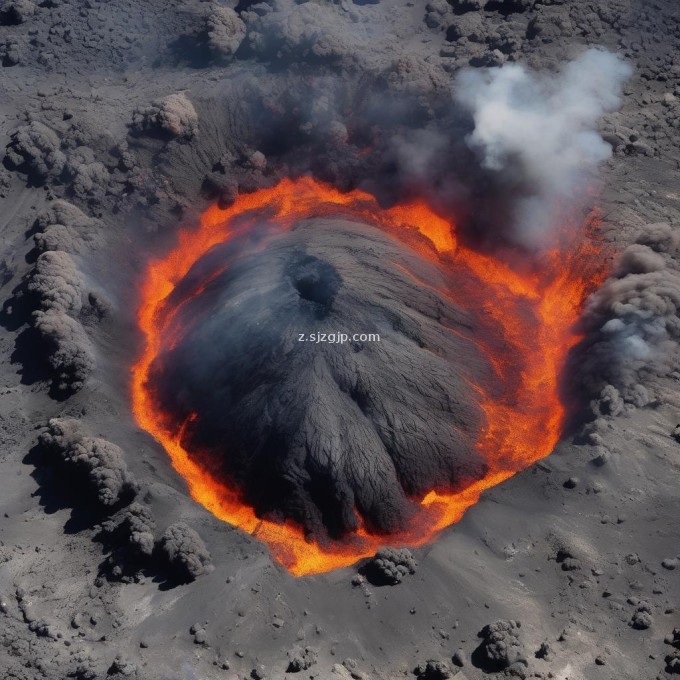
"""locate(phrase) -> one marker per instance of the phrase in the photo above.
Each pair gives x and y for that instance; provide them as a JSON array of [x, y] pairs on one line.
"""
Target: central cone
[[306, 422]]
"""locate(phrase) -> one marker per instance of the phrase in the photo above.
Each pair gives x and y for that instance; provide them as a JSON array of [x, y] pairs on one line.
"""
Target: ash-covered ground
[[123, 121]]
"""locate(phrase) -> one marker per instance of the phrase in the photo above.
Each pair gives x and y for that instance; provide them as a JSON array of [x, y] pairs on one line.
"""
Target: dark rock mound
[[501, 648], [323, 377], [389, 566]]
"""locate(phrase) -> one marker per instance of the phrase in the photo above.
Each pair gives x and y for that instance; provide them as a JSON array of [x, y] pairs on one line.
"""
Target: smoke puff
[[172, 116], [311, 431], [35, 149], [101, 461], [660, 237], [540, 133], [59, 237], [306, 32], [56, 283], [72, 353], [633, 326], [87, 176], [137, 522], [185, 551], [509, 154], [389, 566], [57, 288], [225, 30], [639, 259], [63, 212]]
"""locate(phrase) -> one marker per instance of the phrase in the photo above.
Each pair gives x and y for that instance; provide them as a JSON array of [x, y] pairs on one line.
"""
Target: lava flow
[[533, 312]]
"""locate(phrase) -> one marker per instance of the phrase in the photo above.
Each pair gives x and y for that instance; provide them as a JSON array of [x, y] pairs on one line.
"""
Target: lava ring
[[437, 376]]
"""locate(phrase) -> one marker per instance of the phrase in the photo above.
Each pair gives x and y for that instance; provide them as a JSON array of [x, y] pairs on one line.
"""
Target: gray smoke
[[540, 132], [632, 324]]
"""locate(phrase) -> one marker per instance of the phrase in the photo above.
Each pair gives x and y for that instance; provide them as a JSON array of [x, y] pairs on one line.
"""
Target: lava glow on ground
[[533, 312]]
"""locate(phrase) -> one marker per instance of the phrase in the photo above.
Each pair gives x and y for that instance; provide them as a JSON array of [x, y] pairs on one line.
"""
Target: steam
[[632, 323], [539, 131]]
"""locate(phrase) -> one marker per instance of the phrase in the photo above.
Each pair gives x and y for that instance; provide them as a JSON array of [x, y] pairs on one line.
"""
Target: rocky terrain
[[123, 121]]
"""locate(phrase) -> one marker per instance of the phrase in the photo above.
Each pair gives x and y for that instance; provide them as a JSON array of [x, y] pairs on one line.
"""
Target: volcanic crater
[[452, 399]]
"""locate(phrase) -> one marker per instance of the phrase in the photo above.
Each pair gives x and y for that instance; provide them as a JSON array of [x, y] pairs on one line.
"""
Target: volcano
[[324, 450], [340, 339]]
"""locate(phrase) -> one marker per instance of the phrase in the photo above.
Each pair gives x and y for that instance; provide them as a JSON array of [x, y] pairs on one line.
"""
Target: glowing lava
[[532, 312]]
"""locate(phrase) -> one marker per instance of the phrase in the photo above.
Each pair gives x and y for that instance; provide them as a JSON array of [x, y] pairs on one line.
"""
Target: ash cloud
[[538, 134], [185, 551], [98, 462], [58, 293], [632, 325], [508, 152], [312, 431]]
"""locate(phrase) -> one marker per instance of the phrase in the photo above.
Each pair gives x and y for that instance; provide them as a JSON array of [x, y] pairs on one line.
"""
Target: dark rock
[[433, 670], [500, 647], [185, 551], [459, 658], [389, 566], [642, 618], [301, 659]]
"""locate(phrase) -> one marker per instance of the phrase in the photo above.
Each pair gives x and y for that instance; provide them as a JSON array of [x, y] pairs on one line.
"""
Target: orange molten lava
[[533, 312]]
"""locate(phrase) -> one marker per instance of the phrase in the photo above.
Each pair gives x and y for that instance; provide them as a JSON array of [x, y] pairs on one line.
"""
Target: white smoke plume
[[539, 131]]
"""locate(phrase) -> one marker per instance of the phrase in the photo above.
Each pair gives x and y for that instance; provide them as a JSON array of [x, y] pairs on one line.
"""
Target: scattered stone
[[459, 658], [642, 618], [340, 671], [602, 457], [500, 647], [433, 670], [632, 559], [673, 663], [14, 12], [301, 659], [351, 667], [544, 651], [122, 666], [676, 433], [258, 673], [673, 659], [567, 560], [674, 638]]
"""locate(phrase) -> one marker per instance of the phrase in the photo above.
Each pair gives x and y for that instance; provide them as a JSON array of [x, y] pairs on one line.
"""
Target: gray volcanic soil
[[123, 120]]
